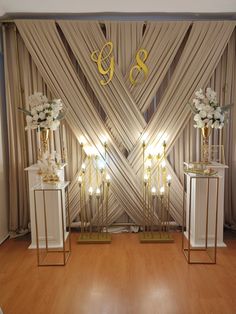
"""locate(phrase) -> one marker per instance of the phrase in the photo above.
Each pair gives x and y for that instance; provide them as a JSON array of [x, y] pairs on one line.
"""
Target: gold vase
[[206, 132], [44, 136]]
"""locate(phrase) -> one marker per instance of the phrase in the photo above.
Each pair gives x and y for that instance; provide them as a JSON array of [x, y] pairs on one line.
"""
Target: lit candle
[[98, 192], [168, 178], [163, 164], [83, 167], [153, 190], [90, 190], [108, 178], [162, 190], [145, 178], [80, 179]]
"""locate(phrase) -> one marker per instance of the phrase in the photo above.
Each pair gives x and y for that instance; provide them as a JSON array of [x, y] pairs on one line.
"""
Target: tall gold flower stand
[[203, 252], [48, 252]]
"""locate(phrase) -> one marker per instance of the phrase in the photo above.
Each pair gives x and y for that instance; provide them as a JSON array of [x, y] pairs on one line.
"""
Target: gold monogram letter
[[140, 65], [104, 67]]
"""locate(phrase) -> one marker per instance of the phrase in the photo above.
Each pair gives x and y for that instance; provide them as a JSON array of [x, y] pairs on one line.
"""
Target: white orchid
[[207, 112]]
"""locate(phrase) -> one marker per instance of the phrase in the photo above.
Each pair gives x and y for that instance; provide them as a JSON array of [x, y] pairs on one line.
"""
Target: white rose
[[197, 117], [55, 124], [209, 124], [29, 119], [199, 94], [210, 94], [39, 108], [199, 106], [208, 108], [45, 106], [33, 111], [200, 124], [217, 115], [202, 114], [209, 116], [42, 115], [216, 124], [49, 118], [35, 117]]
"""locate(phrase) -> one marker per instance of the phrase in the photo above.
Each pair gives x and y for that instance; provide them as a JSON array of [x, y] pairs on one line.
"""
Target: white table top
[[50, 186], [35, 167], [211, 164]]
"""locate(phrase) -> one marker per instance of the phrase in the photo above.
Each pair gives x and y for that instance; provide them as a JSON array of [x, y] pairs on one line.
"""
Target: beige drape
[[187, 147], [202, 52], [57, 71], [18, 160], [203, 48]]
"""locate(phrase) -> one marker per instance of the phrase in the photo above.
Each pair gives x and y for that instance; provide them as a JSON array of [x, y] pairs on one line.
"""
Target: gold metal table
[[62, 252], [205, 254]]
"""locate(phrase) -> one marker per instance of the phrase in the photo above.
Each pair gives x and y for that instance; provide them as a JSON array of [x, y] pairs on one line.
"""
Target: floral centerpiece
[[43, 114], [208, 115], [207, 111]]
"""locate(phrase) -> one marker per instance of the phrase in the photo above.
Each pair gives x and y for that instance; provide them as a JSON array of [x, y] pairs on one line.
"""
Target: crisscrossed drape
[[196, 73], [203, 50]]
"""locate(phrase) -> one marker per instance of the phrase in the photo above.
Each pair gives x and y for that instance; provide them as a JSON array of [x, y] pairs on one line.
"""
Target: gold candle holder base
[[94, 238], [155, 237]]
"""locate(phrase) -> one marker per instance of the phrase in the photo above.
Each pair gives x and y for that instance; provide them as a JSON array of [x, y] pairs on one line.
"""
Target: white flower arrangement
[[43, 114], [49, 165], [207, 111]]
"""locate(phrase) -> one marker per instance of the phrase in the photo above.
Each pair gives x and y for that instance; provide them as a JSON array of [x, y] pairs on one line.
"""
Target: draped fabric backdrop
[[54, 57]]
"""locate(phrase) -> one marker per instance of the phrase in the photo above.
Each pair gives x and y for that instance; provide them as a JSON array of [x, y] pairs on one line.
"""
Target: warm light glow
[[162, 190], [144, 138], [145, 178], [163, 164], [168, 178], [108, 178], [148, 164], [98, 191], [82, 140], [90, 190], [153, 190], [101, 165], [158, 151], [83, 166], [104, 140], [150, 151], [90, 151], [80, 179]]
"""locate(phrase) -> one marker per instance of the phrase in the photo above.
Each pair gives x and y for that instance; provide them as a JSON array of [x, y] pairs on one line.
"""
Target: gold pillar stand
[[44, 254], [205, 252]]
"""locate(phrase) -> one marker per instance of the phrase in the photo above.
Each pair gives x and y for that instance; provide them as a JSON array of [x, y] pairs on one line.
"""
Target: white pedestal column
[[53, 210], [198, 208]]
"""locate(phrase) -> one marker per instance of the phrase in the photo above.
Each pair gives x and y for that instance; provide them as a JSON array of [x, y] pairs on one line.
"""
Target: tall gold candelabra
[[156, 196], [94, 201]]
